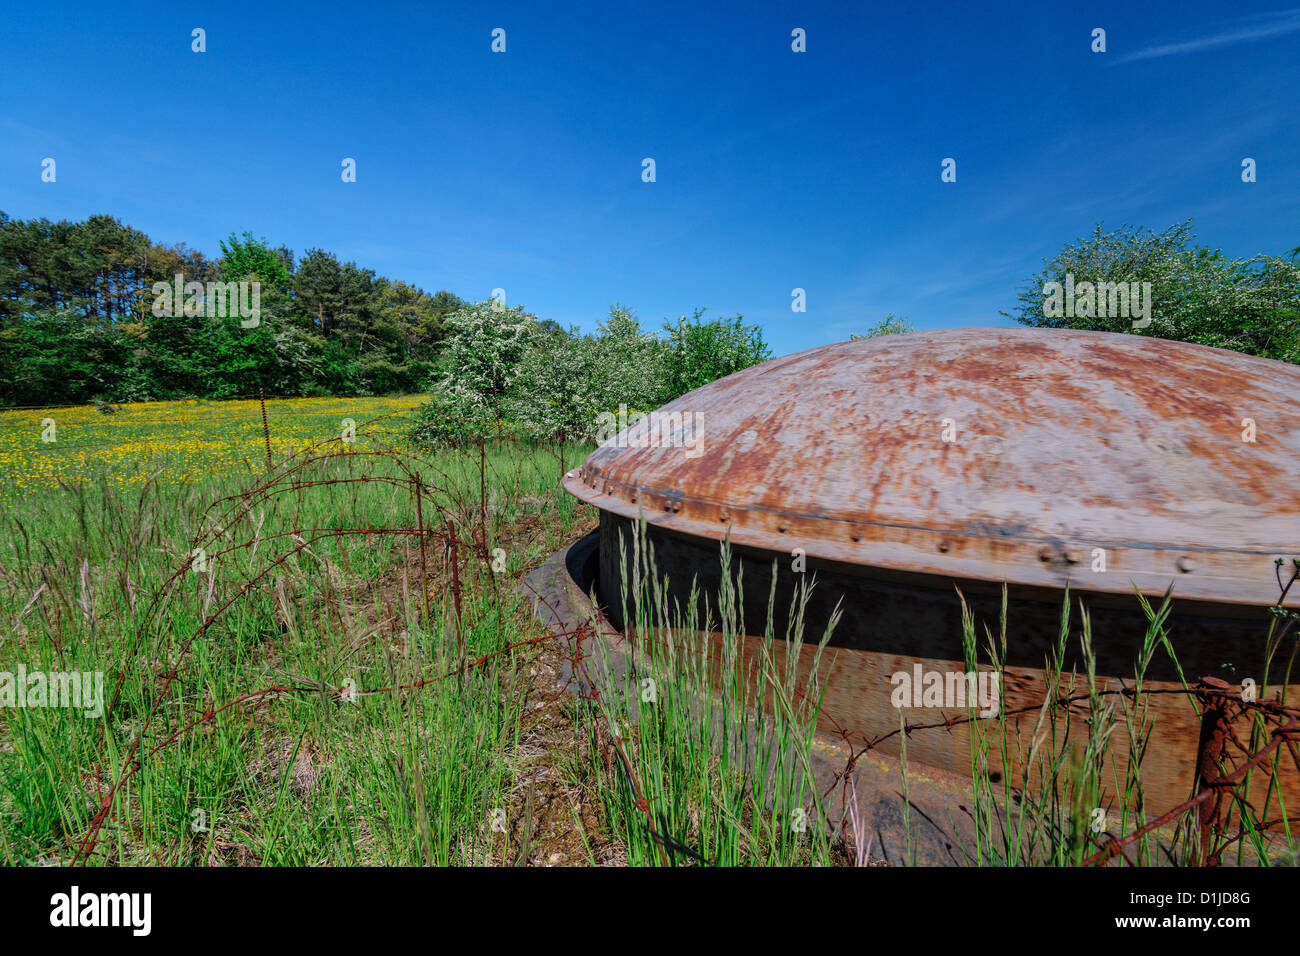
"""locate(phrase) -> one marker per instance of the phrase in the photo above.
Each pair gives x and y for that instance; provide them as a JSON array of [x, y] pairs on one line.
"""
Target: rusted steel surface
[[1064, 442]]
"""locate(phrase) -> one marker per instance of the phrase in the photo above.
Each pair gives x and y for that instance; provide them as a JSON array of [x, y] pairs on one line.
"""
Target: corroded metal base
[[892, 622], [928, 828]]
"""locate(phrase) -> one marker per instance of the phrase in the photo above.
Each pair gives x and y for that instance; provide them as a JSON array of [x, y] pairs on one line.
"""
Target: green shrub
[[503, 365], [1197, 294]]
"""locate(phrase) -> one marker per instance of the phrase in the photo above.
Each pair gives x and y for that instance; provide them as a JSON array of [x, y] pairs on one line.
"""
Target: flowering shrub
[[473, 386], [503, 364], [1199, 294]]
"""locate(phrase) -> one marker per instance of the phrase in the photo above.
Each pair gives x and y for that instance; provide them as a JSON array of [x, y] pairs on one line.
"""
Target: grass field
[[288, 680]]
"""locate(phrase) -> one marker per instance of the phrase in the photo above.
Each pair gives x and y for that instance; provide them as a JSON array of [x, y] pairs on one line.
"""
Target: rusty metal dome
[[1029, 456]]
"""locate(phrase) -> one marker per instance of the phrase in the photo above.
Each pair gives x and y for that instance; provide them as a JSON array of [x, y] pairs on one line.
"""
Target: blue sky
[[775, 169]]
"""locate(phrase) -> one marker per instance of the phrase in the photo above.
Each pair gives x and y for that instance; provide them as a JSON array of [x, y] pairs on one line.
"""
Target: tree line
[[78, 323]]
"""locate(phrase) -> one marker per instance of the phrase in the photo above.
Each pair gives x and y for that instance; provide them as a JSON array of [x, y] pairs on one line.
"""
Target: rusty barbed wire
[[290, 477]]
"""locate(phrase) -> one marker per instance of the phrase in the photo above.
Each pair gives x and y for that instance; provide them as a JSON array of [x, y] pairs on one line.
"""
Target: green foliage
[[56, 352], [76, 320], [77, 323], [702, 352], [505, 370], [889, 325], [1198, 294], [473, 394], [554, 395], [568, 379], [632, 364], [94, 268], [417, 317], [253, 259]]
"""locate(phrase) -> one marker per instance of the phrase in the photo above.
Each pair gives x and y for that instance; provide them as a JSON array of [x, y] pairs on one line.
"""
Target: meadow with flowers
[[181, 441]]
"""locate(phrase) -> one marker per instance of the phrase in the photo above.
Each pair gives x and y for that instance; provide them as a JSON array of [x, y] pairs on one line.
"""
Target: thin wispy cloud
[[1244, 31]]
